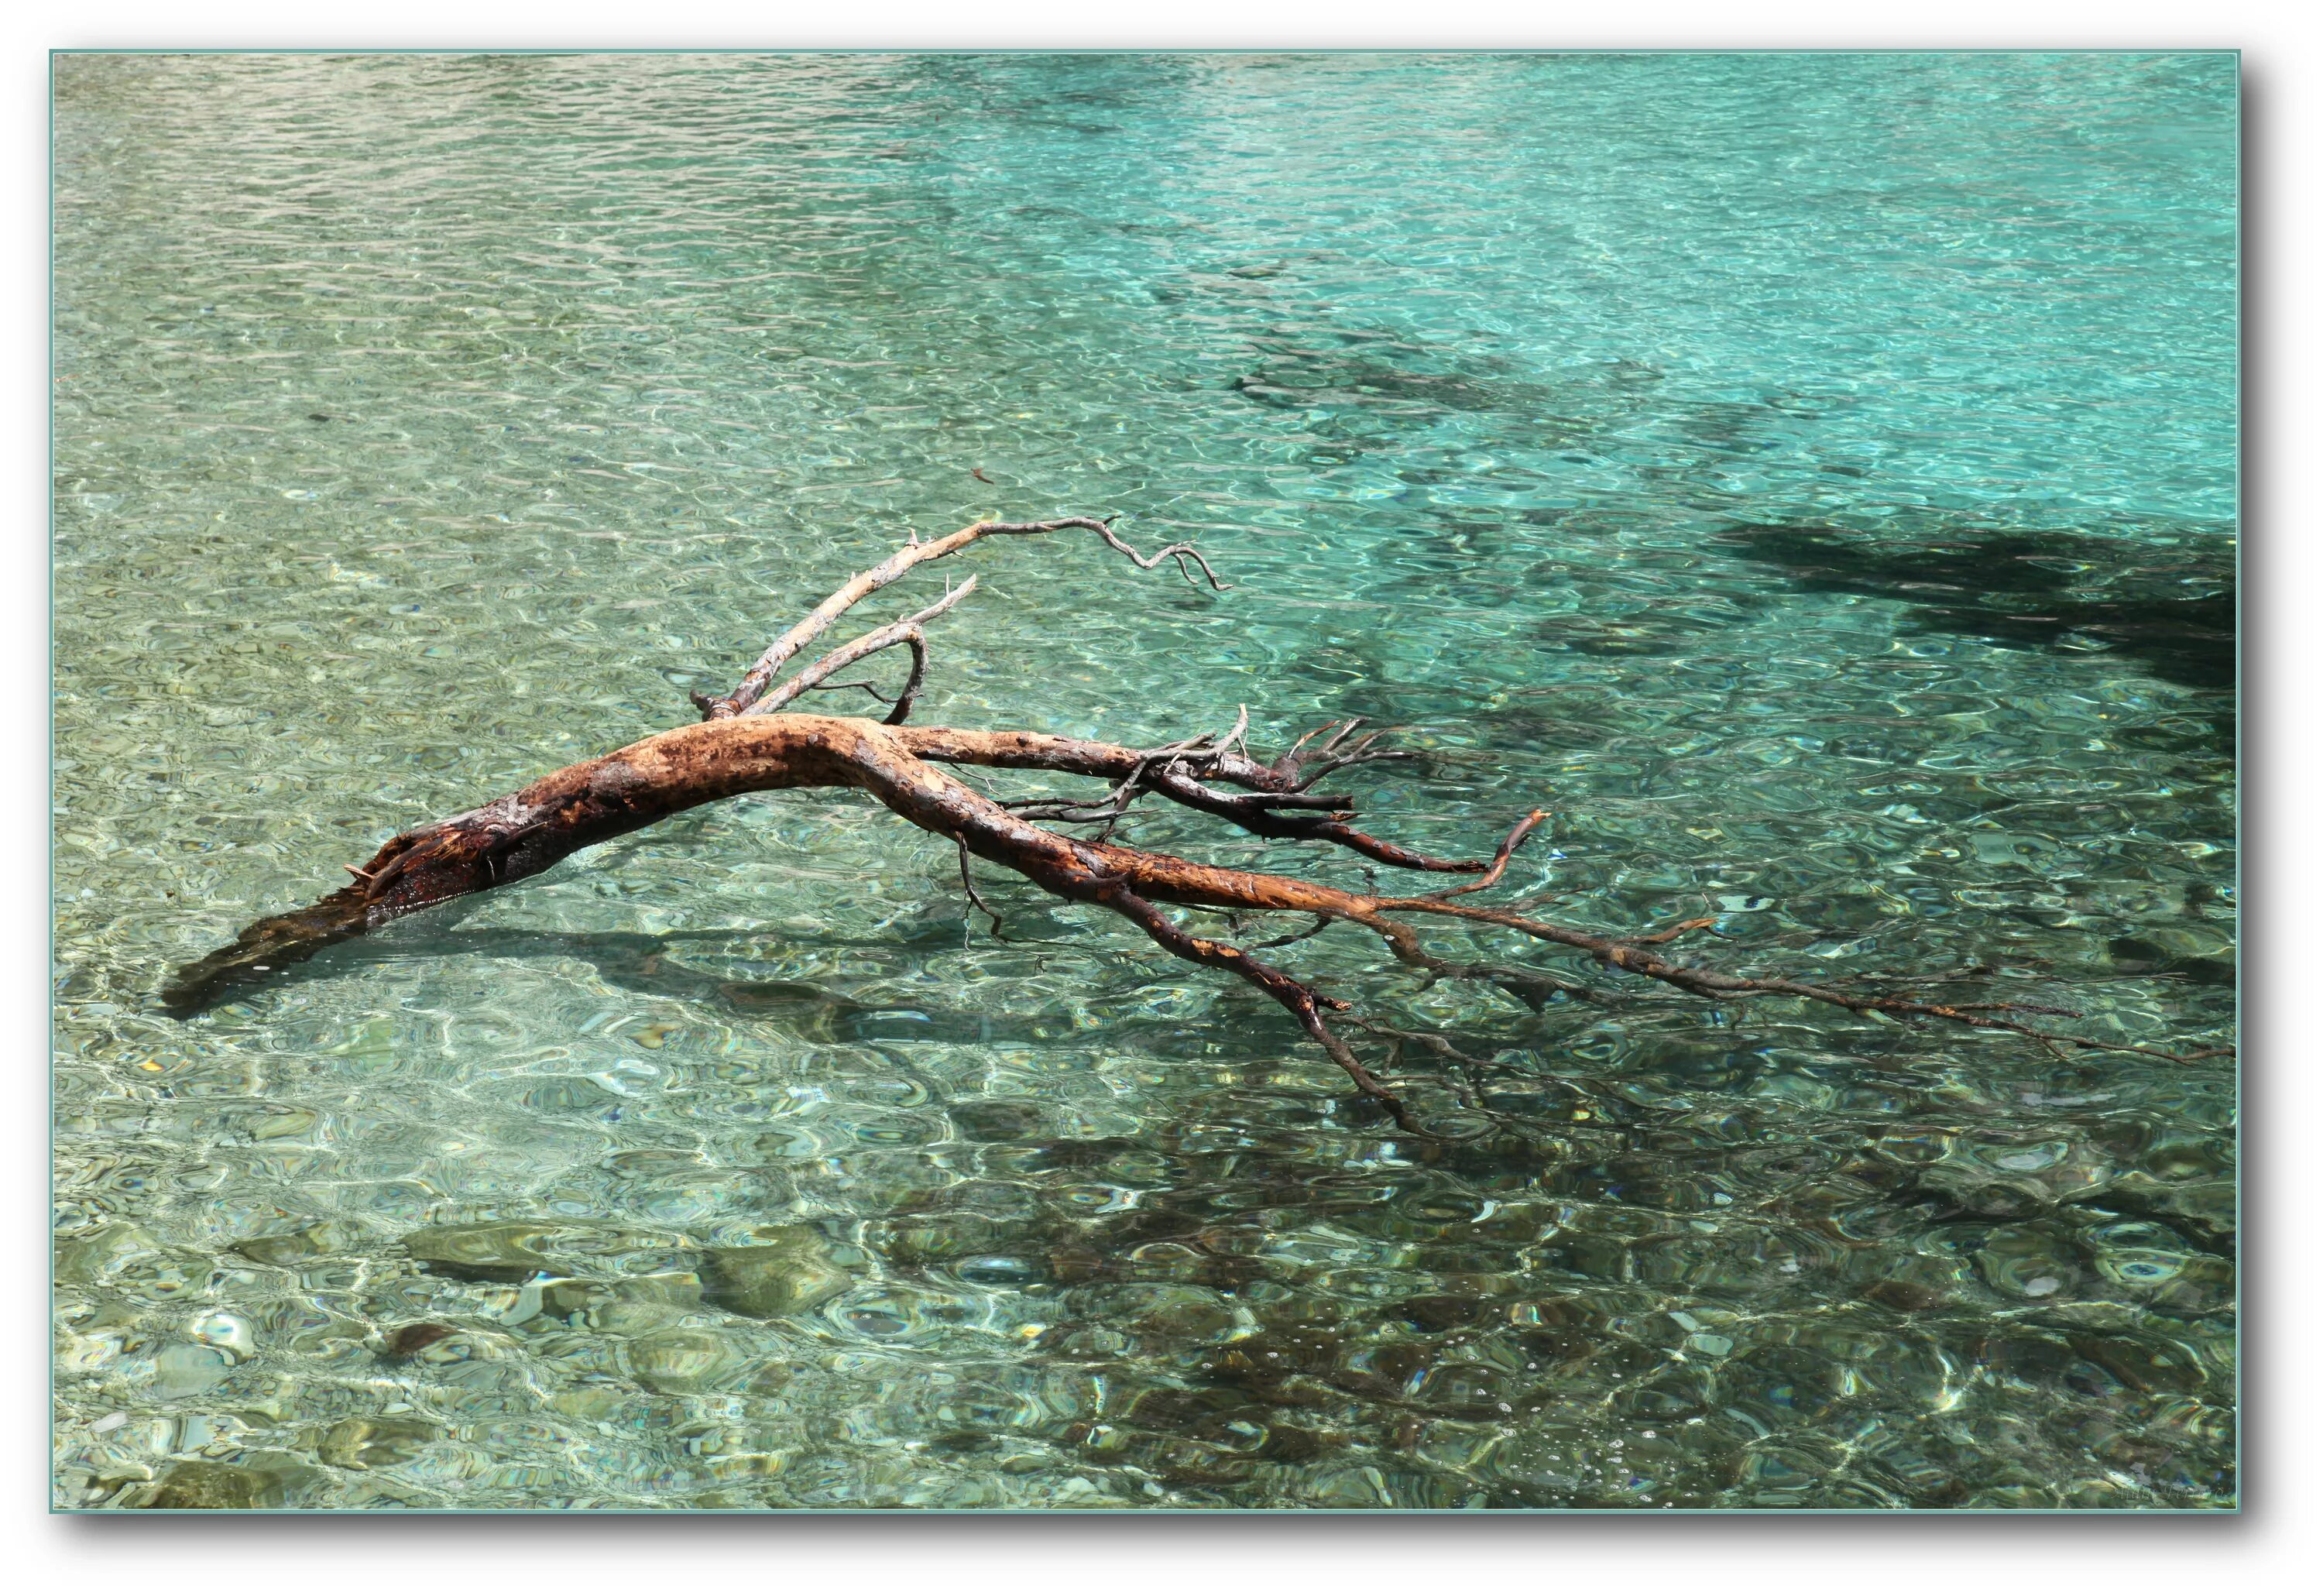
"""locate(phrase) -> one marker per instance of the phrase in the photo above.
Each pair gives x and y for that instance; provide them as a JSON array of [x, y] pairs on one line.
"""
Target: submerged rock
[[405, 1340], [374, 1443], [997, 1120], [184, 1369], [1905, 1297], [324, 1239], [103, 1252], [2028, 1261], [504, 1250], [789, 1272], [674, 1287], [684, 1362], [208, 1485]]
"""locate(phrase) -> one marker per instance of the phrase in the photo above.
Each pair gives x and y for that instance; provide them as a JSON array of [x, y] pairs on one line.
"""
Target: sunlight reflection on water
[[1774, 464]]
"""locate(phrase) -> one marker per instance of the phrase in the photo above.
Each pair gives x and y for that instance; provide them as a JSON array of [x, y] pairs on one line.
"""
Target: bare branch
[[967, 885], [870, 687], [1629, 955], [911, 682], [1508, 848], [915, 553], [1303, 1002], [905, 631], [1179, 552], [1032, 750], [1297, 769], [746, 746], [902, 702]]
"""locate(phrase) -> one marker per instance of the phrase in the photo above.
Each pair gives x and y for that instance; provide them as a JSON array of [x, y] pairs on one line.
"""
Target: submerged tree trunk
[[750, 742]]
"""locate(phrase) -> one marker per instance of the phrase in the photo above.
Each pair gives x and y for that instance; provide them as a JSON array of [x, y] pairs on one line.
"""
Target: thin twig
[[968, 883], [904, 632], [1508, 848], [870, 687], [861, 585]]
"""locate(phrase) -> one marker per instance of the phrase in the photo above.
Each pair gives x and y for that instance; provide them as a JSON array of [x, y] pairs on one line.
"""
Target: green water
[[1812, 478]]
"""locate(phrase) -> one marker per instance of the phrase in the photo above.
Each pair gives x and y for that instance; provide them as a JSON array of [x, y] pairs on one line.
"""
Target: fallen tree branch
[[747, 743], [857, 588], [905, 632]]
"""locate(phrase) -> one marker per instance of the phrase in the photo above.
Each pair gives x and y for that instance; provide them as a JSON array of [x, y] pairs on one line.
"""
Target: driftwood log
[[752, 740]]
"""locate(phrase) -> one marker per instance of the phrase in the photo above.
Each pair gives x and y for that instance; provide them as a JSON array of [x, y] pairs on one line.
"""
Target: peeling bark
[[749, 742]]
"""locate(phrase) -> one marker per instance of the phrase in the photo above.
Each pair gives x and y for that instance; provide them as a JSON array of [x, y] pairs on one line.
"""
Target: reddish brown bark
[[742, 747]]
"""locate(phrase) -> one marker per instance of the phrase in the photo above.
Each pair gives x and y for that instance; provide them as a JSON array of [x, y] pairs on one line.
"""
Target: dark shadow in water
[[2171, 610], [1302, 379], [647, 965], [1361, 372]]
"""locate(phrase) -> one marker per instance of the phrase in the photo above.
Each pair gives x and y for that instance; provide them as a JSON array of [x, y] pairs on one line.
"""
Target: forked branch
[[752, 741], [912, 555]]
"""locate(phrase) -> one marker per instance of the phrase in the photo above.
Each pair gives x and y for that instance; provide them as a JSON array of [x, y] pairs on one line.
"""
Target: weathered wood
[[744, 745], [857, 588]]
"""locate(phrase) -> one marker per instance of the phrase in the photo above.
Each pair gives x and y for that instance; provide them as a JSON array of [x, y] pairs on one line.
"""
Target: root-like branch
[[1630, 955], [1508, 849], [1028, 750], [1304, 1003], [968, 886], [1299, 770], [747, 747]]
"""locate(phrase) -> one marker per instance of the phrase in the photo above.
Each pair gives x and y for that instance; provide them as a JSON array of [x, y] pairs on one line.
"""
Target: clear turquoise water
[[1813, 477]]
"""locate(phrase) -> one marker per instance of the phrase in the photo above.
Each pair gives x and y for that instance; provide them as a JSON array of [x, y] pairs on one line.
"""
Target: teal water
[[1810, 477]]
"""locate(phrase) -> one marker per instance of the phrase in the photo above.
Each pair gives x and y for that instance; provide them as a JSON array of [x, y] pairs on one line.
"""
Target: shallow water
[[1812, 477]]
